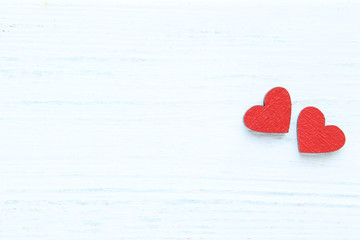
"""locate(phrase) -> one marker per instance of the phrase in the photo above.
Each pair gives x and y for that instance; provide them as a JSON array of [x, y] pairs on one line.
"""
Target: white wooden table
[[123, 120]]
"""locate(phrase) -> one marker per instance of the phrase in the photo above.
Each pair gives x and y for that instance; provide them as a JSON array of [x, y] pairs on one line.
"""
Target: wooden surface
[[123, 120]]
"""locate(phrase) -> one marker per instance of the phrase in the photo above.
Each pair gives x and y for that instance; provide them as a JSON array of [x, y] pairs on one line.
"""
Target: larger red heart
[[274, 116], [314, 136]]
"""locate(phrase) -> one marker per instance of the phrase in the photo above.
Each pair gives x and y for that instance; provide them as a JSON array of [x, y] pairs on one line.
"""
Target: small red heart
[[314, 136], [274, 116]]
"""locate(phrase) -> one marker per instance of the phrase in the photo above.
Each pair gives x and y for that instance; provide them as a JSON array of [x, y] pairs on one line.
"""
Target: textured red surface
[[314, 136], [274, 116]]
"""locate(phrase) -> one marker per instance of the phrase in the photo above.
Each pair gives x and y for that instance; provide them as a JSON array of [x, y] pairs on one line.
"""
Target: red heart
[[314, 136], [274, 116]]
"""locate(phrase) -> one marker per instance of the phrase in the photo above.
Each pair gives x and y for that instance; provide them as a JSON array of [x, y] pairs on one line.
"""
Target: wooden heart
[[274, 116], [314, 136]]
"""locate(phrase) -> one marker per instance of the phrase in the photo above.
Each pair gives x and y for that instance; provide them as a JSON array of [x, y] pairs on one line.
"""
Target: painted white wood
[[123, 120]]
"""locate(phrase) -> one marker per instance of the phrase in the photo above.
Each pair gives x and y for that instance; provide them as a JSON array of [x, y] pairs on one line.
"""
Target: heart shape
[[274, 116], [314, 136]]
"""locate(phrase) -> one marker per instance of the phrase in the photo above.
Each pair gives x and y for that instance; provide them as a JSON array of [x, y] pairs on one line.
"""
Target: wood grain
[[123, 120]]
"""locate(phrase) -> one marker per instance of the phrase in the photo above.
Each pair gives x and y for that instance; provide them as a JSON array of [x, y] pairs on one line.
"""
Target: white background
[[123, 120]]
